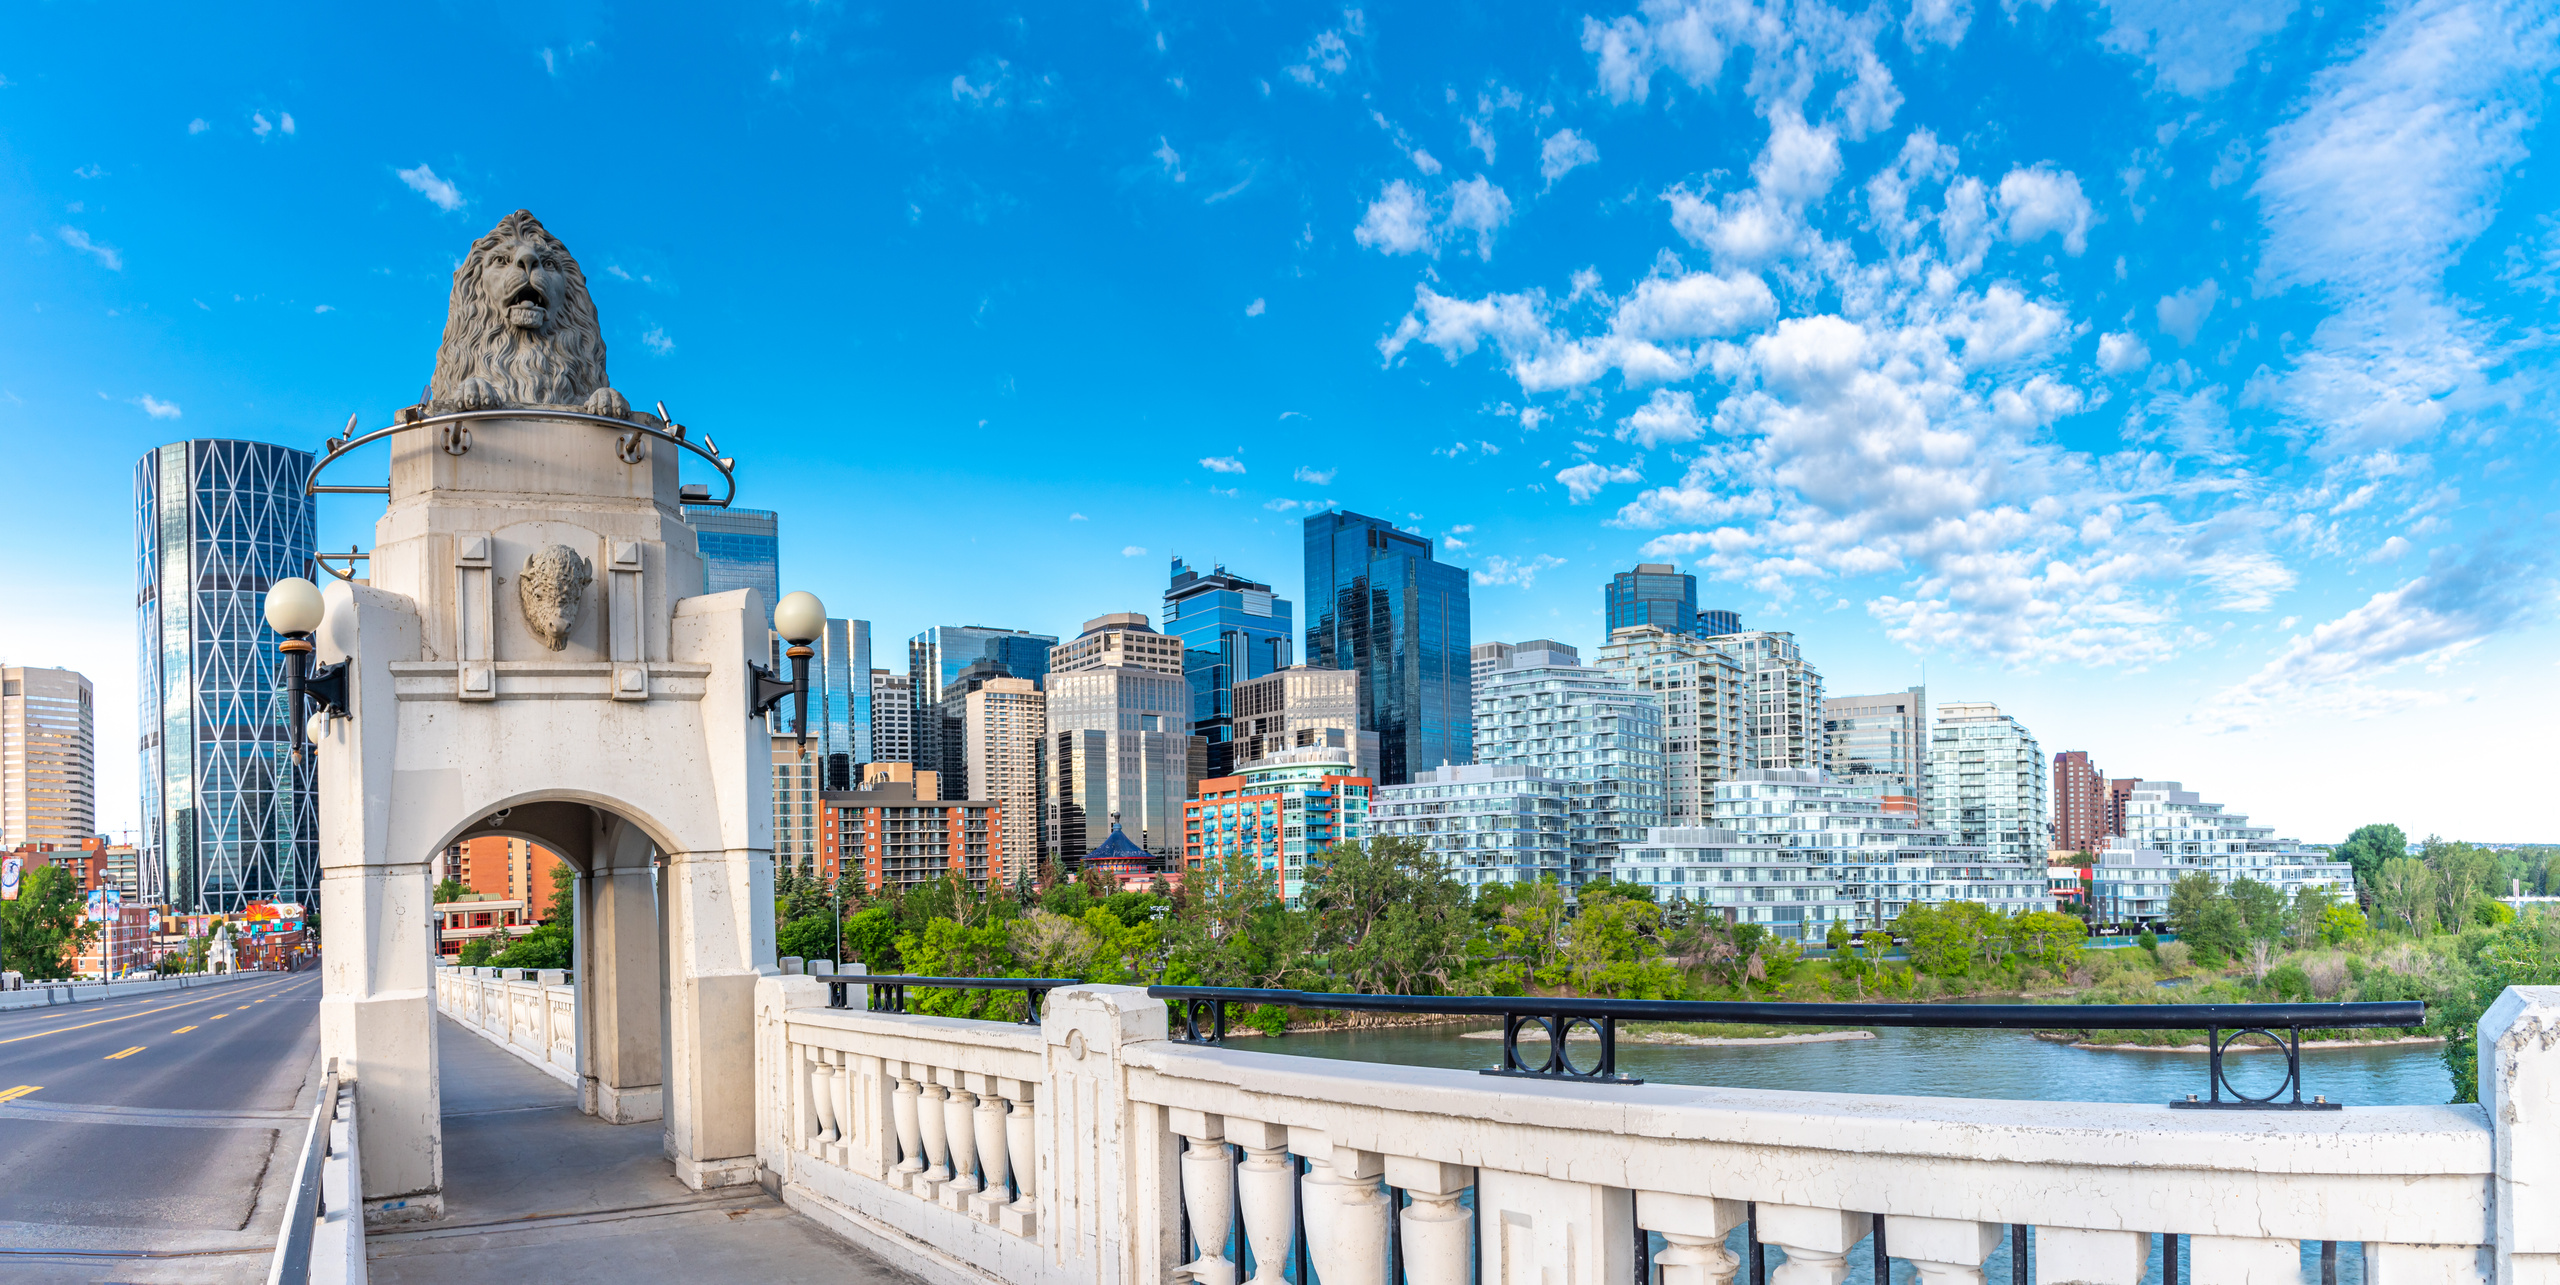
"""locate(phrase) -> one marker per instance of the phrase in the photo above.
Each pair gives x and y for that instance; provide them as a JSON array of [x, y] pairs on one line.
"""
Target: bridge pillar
[[622, 976]]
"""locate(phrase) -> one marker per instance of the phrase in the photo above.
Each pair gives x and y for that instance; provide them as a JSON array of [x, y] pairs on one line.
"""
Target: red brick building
[[891, 837], [2079, 803]]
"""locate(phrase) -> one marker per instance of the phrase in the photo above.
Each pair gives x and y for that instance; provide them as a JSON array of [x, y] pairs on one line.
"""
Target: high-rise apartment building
[[1883, 741], [741, 549], [1988, 782], [1730, 702], [1662, 595], [1231, 630], [2081, 803], [226, 809], [1303, 707], [1781, 700], [894, 834], [1277, 813], [1589, 728], [1716, 621], [839, 732], [2120, 801], [48, 758], [1380, 606], [892, 719], [1489, 823], [1483, 659], [506, 870], [1002, 728], [1118, 741]]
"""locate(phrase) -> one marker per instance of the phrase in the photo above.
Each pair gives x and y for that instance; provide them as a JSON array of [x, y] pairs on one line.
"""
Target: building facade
[[500, 868], [945, 664], [1662, 595], [1277, 813], [1380, 606], [1589, 728], [48, 757], [741, 549], [892, 719], [839, 736], [2171, 831], [1002, 728], [1302, 707], [226, 805], [1783, 889], [1880, 740], [891, 838], [2081, 804], [1781, 700], [1699, 688], [1117, 741], [1988, 782], [1232, 630], [1489, 823], [1483, 659]]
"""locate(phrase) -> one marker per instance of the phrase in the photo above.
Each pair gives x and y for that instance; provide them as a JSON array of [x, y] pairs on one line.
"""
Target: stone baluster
[[931, 1122], [960, 1126], [903, 1109], [1022, 1217], [1346, 1215], [994, 1156], [1816, 1242], [822, 1096], [1267, 1183], [1205, 1195], [2080, 1256], [1693, 1229], [1436, 1228], [1945, 1251]]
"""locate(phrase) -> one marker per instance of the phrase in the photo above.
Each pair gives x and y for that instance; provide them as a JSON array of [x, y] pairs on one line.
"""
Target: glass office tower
[[936, 661], [1232, 629], [226, 811], [1661, 595], [1378, 604], [741, 549]]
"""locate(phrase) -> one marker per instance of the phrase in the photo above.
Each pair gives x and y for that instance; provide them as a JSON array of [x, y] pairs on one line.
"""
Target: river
[[1940, 1063]]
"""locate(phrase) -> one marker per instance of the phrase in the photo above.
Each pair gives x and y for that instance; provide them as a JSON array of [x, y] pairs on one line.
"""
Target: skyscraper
[[1002, 727], [892, 719], [1590, 727], [1987, 781], [936, 660], [1731, 703], [2081, 804], [1117, 741], [741, 549], [226, 811], [1303, 707], [48, 758], [1380, 606], [1232, 629], [1662, 595], [1882, 741]]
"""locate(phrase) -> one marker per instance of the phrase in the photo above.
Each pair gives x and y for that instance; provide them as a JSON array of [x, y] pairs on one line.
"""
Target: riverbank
[[1676, 1038], [2128, 1046]]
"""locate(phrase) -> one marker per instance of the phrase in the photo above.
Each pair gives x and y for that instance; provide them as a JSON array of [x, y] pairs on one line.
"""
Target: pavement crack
[[258, 1185]]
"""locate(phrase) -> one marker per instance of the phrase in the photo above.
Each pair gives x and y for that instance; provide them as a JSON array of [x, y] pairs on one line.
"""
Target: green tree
[[809, 937], [2342, 926], [1528, 935], [1945, 940], [2048, 940], [1388, 918], [2463, 875], [2521, 954], [1612, 951], [871, 935], [547, 946], [2311, 906], [562, 906], [2261, 907], [46, 925], [2367, 849], [2404, 893], [448, 890]]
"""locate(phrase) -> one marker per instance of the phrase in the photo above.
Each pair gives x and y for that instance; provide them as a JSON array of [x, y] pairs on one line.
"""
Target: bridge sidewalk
[[535, 1190]]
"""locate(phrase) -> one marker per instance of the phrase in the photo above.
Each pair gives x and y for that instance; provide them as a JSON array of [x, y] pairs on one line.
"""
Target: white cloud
[[2182, 314], [106, 255], [1133, 551], [2040, 199], [287, 122], [424, 182], [1398, 222], [1523, 572], [1480, 138], [1315, 476], [1477, 206], [1223, 464], [324, 307], [1936, 22], [1694, 306], [2036, 403], [156, 408], [1077, 517], [198, 125], [1693, 39], [1671, 417], [2193, 49], [1171, 159], [2121, 354], [1328, 55], [259, 124], [2389, 550], [656, 338], [1564, 152], [1253, 309], [1584, 480]]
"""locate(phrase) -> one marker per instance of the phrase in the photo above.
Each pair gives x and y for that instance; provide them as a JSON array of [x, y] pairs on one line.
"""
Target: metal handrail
[[303, 1211], [410, 418], [1203, 1020], [888, 993]]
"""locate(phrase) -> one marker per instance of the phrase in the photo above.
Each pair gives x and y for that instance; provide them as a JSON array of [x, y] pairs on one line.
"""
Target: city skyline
[[2159, 480]]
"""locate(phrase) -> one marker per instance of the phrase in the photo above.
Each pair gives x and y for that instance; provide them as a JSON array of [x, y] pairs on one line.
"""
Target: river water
[[1940, 1063]]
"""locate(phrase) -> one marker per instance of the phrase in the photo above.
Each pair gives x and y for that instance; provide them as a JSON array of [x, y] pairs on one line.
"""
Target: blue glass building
[[1232, 629], [741, 549], [1661, 595], [1377, 603], [226, 811], [936, 660]]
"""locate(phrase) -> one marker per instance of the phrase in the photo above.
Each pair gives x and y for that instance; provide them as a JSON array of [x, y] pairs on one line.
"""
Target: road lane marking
[[127, 1053], [19, 1092], [182, 1030], [217, 1017], [104, 1020]]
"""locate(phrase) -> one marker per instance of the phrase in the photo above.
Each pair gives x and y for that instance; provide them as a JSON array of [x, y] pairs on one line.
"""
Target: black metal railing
[[1202, 1019], [888, 992]]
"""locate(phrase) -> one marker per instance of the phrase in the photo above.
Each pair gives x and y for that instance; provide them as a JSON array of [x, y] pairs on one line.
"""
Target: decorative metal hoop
[[2222, 1069], [454, 431]]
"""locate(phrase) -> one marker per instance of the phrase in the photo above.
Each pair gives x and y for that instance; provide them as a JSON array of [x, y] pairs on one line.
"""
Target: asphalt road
[[153, 1138]]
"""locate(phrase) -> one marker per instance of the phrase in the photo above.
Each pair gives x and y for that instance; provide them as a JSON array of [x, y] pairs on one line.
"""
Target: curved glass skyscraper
[[226, 812]]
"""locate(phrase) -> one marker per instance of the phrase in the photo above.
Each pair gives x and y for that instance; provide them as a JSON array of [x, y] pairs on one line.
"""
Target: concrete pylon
[[533, 657]]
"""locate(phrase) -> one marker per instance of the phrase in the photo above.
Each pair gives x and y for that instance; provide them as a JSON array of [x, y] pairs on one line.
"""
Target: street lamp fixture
[[799, 618], [295, 610]]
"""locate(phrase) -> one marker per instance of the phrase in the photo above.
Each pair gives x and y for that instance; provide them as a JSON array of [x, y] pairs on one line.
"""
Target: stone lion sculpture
[[520, 330]]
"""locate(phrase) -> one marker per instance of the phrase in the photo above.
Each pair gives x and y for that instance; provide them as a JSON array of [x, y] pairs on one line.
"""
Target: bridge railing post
[[2520, 1089]]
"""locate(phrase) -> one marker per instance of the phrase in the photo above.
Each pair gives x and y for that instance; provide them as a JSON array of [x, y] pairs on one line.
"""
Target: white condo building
[[1989, 782], [1491, 824], [1730, 703], [1541, 707], [2171, 832]]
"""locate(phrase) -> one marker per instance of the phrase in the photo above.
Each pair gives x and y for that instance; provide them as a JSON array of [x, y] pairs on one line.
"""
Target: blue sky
[[2178, 378]]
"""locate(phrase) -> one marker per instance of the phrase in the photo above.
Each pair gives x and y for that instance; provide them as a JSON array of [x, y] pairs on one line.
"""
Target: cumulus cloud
[[1694, 39], [1404, 220], [1314, 476], [1940, 22], [658, 342], [1254, 309], [1523, 572], [1477, 206], [1584, 480], [2193, 49], [156, 408], [424, 182], [2182, 314], [1564, 152], [2040, 199], [1133, 551], [106, 255], [1222, 464], [1398, 222], [198, 125], [1169, 158], [2121, 354], [1669, 418], [1328, 56]]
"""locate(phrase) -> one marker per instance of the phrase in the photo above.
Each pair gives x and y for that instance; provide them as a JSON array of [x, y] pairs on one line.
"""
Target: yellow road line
[[19, 1092], [104, 1020], [217, 1017], [182, 1030], [127, 1053]]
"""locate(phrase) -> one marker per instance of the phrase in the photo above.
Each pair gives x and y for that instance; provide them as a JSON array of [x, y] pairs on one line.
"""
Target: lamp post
[[295, 610], [799, 618]]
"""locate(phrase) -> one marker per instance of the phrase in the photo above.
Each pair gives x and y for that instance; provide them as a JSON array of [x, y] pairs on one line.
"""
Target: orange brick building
[[891, 837], [504, 869]]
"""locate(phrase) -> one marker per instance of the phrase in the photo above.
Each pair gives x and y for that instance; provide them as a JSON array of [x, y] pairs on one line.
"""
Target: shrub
[[2174, 956], [2149, 941]]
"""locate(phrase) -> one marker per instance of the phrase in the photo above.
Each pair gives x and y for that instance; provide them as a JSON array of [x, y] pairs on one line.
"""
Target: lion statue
[[520, 330]]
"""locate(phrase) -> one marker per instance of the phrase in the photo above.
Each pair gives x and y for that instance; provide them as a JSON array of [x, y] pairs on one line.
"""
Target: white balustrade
[[533, 1015]]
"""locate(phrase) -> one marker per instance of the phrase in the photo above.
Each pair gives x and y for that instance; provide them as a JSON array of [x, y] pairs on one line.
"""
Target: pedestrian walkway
[[535, 1190]]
